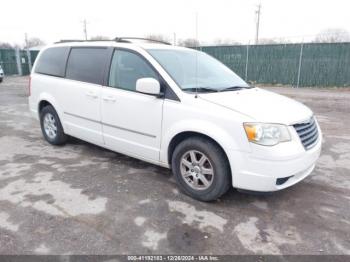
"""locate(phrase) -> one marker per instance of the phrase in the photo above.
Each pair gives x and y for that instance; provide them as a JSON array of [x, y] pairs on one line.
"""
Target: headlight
[[266, 134]]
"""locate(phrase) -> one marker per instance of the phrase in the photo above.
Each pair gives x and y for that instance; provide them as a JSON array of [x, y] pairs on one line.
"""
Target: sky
[[53, 20]]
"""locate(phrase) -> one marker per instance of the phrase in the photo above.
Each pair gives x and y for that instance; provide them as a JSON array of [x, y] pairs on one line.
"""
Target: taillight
[[29, 85]]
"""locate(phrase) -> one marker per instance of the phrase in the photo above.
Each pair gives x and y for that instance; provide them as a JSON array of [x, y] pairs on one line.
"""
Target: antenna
[[197, 42]]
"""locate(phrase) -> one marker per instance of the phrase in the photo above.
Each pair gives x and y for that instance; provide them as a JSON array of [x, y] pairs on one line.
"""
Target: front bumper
[[272, 173]]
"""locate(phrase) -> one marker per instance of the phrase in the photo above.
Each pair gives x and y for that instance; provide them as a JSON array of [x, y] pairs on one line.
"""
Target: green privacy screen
[[313, 64], [8, 61], [320, 64]]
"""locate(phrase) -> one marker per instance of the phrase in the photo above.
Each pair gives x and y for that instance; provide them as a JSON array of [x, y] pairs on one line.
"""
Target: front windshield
[[193, 70]]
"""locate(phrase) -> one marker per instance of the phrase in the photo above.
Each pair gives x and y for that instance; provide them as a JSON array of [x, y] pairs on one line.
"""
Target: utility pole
[[84, 28], [26, 40], [257, 12], [197, 41]]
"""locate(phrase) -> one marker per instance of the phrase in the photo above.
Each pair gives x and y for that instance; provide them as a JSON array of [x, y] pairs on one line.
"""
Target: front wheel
[[201, 169]]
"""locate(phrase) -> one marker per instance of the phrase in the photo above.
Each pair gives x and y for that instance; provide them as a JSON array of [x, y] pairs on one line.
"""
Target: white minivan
[[174, 107]]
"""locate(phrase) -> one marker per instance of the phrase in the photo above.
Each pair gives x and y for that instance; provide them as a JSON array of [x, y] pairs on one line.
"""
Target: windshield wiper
[[201, 89], [234, 88]]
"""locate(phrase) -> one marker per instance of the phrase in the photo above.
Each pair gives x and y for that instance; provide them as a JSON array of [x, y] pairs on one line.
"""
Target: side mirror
[[149, 86]]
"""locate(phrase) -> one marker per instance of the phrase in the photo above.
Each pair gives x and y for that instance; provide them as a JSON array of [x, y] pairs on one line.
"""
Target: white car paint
[[145, 125], [1, 73], [139, 127], [261, 105]]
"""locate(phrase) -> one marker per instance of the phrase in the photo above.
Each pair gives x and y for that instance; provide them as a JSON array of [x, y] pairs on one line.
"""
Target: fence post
[[246, 63], [18, 62], [29, 60], [300, 58]]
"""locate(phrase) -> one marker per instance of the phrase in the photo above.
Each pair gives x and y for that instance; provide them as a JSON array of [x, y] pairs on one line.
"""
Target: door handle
[[92, 94], [109, 98]]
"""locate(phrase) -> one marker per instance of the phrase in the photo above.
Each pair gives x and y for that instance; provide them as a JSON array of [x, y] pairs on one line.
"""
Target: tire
[[216, 163], [1, 80], [53, 124]]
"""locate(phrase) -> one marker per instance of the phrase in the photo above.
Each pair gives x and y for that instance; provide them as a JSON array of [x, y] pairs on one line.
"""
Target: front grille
[[307, 132]]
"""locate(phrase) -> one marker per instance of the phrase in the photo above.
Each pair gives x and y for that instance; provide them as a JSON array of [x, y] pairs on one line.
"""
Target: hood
[[261, 105]]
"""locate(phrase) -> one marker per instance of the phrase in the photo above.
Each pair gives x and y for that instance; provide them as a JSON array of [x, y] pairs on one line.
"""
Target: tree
[[5, 45], [225, 41], [332, 35], [99, 37], [273, 41], [157, 37], [189, 42], [267, 41], [34, 41]]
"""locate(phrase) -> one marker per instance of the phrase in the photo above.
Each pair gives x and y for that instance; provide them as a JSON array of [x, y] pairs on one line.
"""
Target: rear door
[[80, 96], [131, 120]]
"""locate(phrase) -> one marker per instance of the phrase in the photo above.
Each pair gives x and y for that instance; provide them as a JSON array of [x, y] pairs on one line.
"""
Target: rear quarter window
[[52, 61], [87, 64]]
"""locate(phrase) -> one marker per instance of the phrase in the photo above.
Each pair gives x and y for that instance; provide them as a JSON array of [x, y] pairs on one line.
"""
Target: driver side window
[[126, 68]]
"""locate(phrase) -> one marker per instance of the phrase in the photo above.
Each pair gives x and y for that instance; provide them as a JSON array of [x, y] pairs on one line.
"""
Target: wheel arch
[[42, 104], [46, 99], [178, 138]]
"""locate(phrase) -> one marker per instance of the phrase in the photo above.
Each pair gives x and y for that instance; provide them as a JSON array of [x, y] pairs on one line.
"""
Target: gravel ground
[[82, 199]]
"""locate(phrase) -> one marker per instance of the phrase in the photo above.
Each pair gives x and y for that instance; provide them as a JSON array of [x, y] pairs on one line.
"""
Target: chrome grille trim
[[308, 133]]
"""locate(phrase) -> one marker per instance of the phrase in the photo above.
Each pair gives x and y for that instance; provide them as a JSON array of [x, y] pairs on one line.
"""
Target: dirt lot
[[81, 199]]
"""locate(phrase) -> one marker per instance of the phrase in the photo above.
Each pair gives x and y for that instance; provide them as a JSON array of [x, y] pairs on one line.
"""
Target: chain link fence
[[299, 65]]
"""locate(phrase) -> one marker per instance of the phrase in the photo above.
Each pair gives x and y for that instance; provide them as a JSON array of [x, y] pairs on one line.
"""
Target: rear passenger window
[[52, 61], [126, 68], [86, 64]]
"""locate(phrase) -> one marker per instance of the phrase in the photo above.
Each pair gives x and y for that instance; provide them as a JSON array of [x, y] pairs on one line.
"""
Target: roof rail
[[67, 41], [129, 40], [117, 39], [73, 40]]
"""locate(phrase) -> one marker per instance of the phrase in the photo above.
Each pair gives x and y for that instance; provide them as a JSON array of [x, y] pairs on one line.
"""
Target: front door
[[131, 121]]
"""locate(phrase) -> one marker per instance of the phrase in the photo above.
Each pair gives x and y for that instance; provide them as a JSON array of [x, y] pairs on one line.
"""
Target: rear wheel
[[51, 126], [201, 168]]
